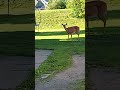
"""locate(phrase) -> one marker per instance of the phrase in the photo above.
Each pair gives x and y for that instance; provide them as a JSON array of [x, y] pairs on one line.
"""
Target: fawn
[[95, 9], [71, 30]]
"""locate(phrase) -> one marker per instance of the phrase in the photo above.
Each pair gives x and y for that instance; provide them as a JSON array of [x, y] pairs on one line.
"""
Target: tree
[[69, 3], [78, 8], [57, 4]]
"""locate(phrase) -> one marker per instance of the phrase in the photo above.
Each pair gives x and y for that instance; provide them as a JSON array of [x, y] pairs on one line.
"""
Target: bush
[[57, 4], [78, 8], [69, 3]]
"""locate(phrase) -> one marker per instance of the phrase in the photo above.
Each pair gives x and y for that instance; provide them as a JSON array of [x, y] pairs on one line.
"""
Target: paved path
[[40, 56], [62, 80], [14, 70]]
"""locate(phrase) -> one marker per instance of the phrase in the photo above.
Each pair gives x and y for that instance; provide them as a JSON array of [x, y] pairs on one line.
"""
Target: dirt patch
[[62, 80]]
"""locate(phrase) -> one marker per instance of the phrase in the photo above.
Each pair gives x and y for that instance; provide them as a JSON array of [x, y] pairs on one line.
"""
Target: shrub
[[78, 8], [57, 4], [69, 3]]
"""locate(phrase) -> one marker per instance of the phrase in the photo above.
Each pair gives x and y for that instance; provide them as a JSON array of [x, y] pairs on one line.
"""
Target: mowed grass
[[52, 36], [52, 19]]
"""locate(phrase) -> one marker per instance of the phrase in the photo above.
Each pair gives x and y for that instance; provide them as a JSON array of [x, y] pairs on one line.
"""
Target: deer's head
[[64, 25]]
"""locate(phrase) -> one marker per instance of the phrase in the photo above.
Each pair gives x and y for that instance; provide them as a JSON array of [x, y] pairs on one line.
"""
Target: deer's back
[[94, 8], [73, 29]]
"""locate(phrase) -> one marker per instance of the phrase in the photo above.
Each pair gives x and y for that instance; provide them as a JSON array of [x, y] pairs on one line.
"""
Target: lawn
[[52, 36], [52, 20]]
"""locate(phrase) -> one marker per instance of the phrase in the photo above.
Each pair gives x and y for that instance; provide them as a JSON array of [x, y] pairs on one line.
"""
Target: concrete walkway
[[14, 70], [62, 80], [40, 56]]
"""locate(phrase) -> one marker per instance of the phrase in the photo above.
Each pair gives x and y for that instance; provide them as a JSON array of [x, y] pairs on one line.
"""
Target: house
[[41, 4]]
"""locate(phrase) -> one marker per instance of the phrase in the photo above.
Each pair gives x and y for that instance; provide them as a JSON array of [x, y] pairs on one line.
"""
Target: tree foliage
[[78, 8], [69, 3], [57, 4]]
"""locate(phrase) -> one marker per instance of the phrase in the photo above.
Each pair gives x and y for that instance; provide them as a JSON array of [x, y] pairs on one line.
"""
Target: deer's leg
[[103, 18], [38, 28], [104, 23], [88, 28], [78, 35], [68, 36], [87, 23], [71, 35]]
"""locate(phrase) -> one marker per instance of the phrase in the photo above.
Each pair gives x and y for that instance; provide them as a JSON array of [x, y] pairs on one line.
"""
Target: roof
[[41, 4]]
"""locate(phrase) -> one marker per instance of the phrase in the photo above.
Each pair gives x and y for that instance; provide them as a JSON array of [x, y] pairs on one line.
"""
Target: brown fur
[[71, 30], [95, 9]]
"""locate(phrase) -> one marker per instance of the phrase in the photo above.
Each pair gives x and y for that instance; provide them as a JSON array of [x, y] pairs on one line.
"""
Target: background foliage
[[57, 4], [78, 8]]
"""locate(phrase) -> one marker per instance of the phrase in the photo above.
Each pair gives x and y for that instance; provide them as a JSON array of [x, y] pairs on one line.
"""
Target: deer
[[95, 9], [71, 30]]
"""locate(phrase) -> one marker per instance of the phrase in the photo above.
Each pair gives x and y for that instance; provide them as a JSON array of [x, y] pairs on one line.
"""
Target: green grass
[[52, 36], [52, 19], [61, 57]]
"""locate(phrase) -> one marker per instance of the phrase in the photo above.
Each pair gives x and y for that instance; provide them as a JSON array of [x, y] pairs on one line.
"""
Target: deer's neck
[[65, 28]]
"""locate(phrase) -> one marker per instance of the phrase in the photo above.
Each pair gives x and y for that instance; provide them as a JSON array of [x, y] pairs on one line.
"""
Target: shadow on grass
[[108, 33], [71, 44], [113, 14], [103, 48], [54, 33], [17, 43], [17, 19]]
